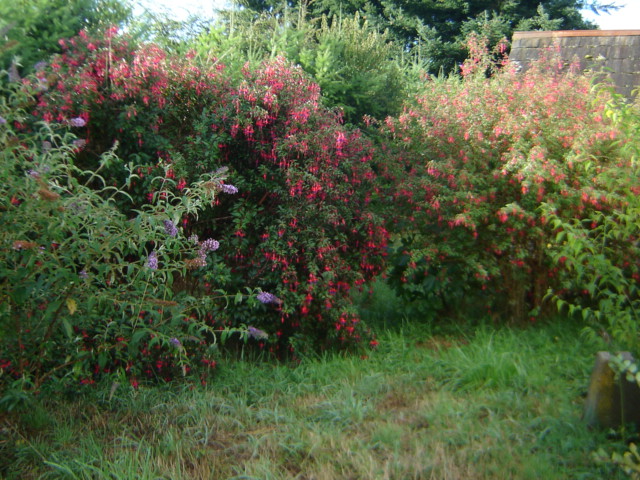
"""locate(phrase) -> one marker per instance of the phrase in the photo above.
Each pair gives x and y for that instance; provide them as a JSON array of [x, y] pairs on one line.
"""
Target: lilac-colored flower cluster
[[152, 260], [77, 122], [257, 334], [227, 188], [3, 120], [175, 342], [170, 228], [266, 297], [209, 245]]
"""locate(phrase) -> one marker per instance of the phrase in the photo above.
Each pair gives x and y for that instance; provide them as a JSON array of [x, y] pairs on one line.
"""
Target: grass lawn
[[488, 403]]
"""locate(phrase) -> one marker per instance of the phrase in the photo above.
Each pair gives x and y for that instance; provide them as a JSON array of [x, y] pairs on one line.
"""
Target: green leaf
[[20, 295], [67, 328], [135, 340]]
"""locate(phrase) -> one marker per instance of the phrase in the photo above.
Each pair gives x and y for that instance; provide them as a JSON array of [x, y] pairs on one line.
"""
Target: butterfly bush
[[473, 160], [297, 219], [89, 292]]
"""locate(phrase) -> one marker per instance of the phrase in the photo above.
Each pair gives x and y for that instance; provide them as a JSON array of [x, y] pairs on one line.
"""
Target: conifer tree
[[438, 28]]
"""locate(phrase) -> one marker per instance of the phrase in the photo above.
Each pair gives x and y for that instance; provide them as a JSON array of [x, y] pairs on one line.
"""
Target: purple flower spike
[[230, 189], [2, 121], [266, 297], [170, 228], [257, 334], [175, 342], [209, 245], [152, 260], [77, 122]]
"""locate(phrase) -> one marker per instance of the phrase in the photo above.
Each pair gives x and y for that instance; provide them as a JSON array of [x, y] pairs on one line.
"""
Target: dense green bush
[[84, 289], [358, 68], [474, 160], [600, 250], [299, 225]]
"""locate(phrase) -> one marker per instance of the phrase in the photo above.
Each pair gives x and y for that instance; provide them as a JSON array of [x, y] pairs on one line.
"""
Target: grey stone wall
[[616, 52]]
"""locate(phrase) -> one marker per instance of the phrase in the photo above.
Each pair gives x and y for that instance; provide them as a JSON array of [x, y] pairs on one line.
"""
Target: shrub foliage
[[296, 222], [476, 158], [87, 290]]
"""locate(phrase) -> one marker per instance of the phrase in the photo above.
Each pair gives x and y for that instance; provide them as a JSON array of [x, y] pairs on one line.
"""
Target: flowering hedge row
[[253, 206], [296, 223], [475, 160]]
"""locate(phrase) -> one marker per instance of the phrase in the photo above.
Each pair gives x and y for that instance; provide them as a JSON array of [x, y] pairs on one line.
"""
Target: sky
[[627, 18]]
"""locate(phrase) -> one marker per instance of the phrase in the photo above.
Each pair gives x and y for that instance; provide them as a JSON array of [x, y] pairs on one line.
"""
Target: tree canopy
[[437, 29]]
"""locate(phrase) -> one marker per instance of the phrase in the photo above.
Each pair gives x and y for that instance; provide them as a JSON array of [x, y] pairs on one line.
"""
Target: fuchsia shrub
[[296, 220], [475, 159]]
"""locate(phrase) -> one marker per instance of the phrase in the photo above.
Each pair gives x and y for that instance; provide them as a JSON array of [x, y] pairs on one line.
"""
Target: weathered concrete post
[[611, 402]]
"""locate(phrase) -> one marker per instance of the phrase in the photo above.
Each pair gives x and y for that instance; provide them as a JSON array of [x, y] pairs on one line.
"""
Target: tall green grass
[[428, 403]]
